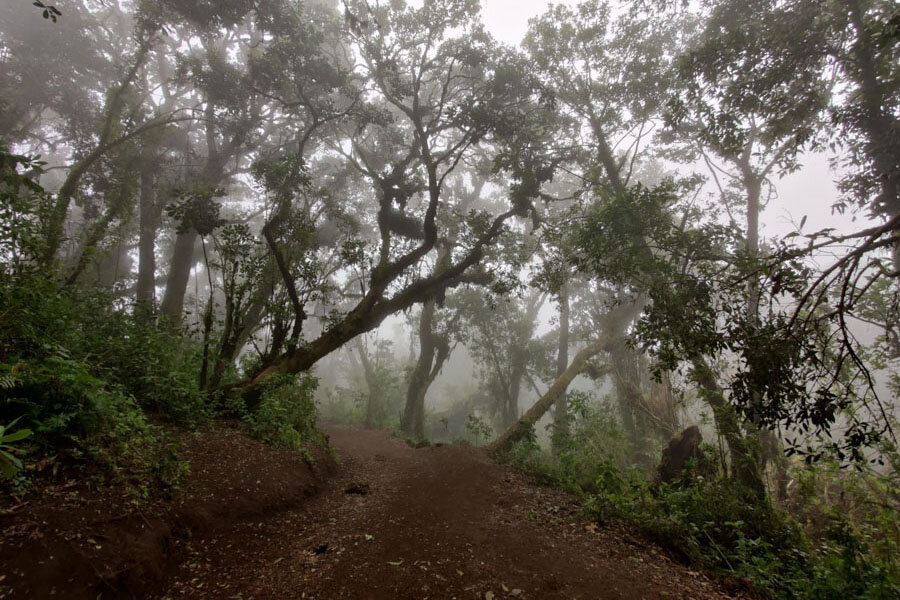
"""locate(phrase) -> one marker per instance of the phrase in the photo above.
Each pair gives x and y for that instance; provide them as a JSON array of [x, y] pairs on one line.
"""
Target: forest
[[356, 299]]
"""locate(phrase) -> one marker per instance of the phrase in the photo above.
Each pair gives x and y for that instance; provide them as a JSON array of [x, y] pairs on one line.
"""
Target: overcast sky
[[507, 20]]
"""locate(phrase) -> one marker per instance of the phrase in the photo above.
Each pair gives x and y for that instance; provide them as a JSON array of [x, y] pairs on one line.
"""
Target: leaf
[[9, 464], [15, 437], [802, 221]]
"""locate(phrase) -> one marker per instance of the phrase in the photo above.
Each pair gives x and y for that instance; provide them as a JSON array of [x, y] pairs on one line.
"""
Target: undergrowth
[[96, 383], [712, 522], [286, 415]]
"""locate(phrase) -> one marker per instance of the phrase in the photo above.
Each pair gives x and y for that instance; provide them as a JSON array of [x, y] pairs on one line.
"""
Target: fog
[[619, 246]]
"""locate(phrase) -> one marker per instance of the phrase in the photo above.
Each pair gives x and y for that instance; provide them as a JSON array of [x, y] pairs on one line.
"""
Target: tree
[[783, 69], [610, 77], [440, 87], [502, 339]]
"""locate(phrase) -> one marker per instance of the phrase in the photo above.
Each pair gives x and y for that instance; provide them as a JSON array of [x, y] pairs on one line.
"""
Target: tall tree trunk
[[516, 374], [414, 411], [878, 123], [754, 190], [145, 289], [185, 243], [561, 408], [770, 446], [371, 383], [179, 274], [207, 321], [523, 426], [629, 396], [626, 374]]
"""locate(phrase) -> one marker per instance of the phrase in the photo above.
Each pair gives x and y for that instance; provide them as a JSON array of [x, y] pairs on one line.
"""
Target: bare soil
[[76, 537], [389, 521], [438, 522]]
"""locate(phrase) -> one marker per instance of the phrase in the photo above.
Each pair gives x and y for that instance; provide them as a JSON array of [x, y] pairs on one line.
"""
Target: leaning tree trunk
[[54, 223], [520, 428], [744, 460]]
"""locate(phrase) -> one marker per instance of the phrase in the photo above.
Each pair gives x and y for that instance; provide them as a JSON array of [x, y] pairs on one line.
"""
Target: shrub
[[83, 373], [720, 525], [849, 569], [286, 416], [594, 448]]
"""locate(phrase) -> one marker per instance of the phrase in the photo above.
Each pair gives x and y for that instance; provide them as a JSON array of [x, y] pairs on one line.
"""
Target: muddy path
[[446, 522]]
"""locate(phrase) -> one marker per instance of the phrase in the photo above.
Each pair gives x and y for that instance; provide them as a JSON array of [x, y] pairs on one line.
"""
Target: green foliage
[[46, 328], [478, 428], [10, 464], [596, 442], [287, 414], [595, 447], [197, 209], [852, 517], [83, 375], [24, 205], [848, 568], [717, 524], [720, 525]]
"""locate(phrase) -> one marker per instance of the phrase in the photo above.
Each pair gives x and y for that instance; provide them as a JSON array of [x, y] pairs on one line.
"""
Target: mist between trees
[[267, 209]]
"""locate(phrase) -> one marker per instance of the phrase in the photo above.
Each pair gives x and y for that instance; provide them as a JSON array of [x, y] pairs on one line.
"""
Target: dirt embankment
[[76, 539]]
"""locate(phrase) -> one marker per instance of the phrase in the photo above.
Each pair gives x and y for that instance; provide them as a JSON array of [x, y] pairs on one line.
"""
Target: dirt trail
[[445, 522]]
